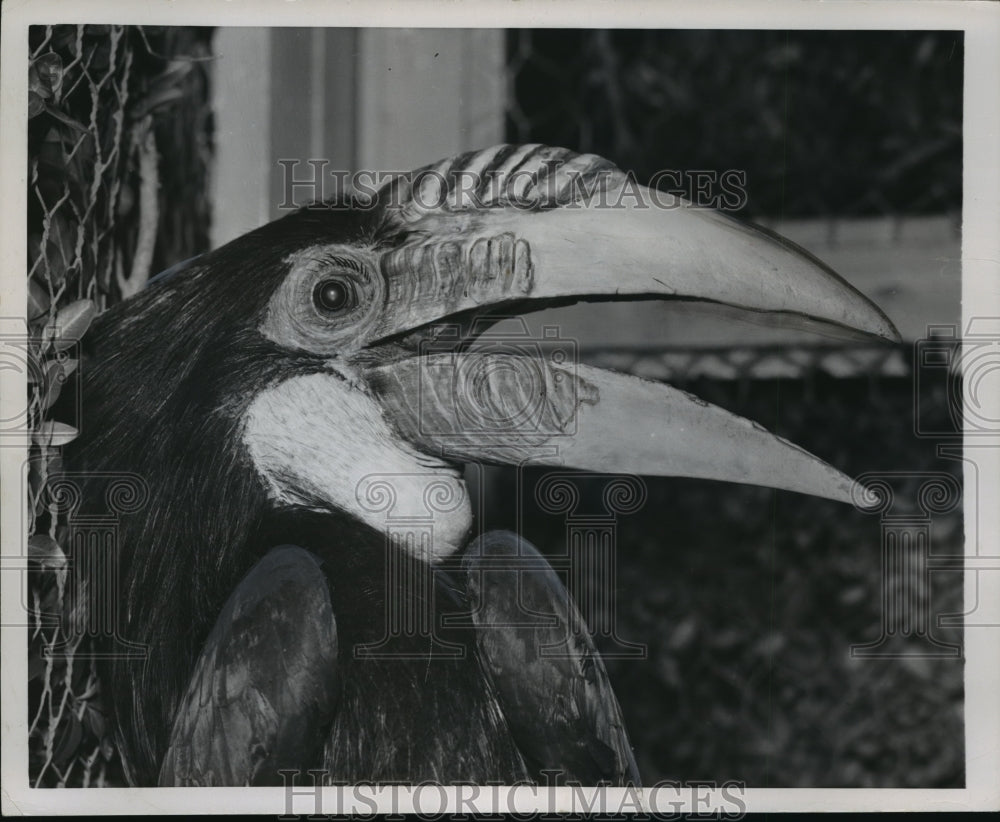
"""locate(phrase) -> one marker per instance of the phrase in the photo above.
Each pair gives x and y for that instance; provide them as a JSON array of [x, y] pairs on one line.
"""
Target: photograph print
[[524, 405]]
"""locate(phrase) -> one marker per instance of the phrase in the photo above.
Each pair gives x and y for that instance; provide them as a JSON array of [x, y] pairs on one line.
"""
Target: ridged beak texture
[[529, 226]]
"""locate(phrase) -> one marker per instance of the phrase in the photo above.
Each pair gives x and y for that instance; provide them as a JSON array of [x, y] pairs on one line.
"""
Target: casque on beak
[[540, 226]]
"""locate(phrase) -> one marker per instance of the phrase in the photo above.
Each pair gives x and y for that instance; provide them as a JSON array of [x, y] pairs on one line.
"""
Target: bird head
[[336, 347], [325, 365]]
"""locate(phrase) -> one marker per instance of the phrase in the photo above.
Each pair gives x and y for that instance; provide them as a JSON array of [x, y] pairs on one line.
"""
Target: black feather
[[264, 689], [548, 675], [168, 378]]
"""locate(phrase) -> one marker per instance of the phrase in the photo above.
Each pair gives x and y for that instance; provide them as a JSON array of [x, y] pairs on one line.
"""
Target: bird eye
[[333, 295]]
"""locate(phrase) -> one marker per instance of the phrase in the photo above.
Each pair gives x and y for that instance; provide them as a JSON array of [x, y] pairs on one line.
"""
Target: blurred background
[[729, 635]]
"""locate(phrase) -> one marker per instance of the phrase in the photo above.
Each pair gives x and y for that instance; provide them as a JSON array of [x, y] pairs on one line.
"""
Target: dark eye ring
[[333, 296]]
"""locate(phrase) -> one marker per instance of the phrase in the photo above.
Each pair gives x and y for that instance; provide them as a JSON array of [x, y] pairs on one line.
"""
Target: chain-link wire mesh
[[754, 362], [106, 105]]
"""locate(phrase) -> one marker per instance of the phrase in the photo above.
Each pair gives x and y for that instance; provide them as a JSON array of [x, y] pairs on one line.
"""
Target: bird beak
[[623, 242]]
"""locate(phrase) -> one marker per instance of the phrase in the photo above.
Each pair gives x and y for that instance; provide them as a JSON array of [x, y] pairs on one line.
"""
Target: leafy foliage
[[119, 145], [846, 123]]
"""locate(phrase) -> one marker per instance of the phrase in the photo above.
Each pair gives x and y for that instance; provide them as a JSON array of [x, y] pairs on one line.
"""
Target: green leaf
[[72, 323], [36, 104], [69, 741], [62, 117], [38, 300], [69, 365], [55, 434], [35, 83], [49, 71], [93, 720], [58, 251], [44, 82], [46, 552]]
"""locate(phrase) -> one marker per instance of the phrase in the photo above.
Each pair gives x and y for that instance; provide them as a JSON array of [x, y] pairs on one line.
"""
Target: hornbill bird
[[277, 394]]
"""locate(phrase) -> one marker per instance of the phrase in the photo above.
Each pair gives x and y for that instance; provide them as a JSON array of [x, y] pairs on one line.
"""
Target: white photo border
[[980, 22]]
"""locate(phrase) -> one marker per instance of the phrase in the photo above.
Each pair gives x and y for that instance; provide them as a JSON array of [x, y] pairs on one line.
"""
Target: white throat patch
[[320, 441]]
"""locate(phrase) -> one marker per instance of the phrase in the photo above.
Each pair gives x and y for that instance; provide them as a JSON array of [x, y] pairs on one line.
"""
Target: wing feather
[[264, 688], [548, 676]]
